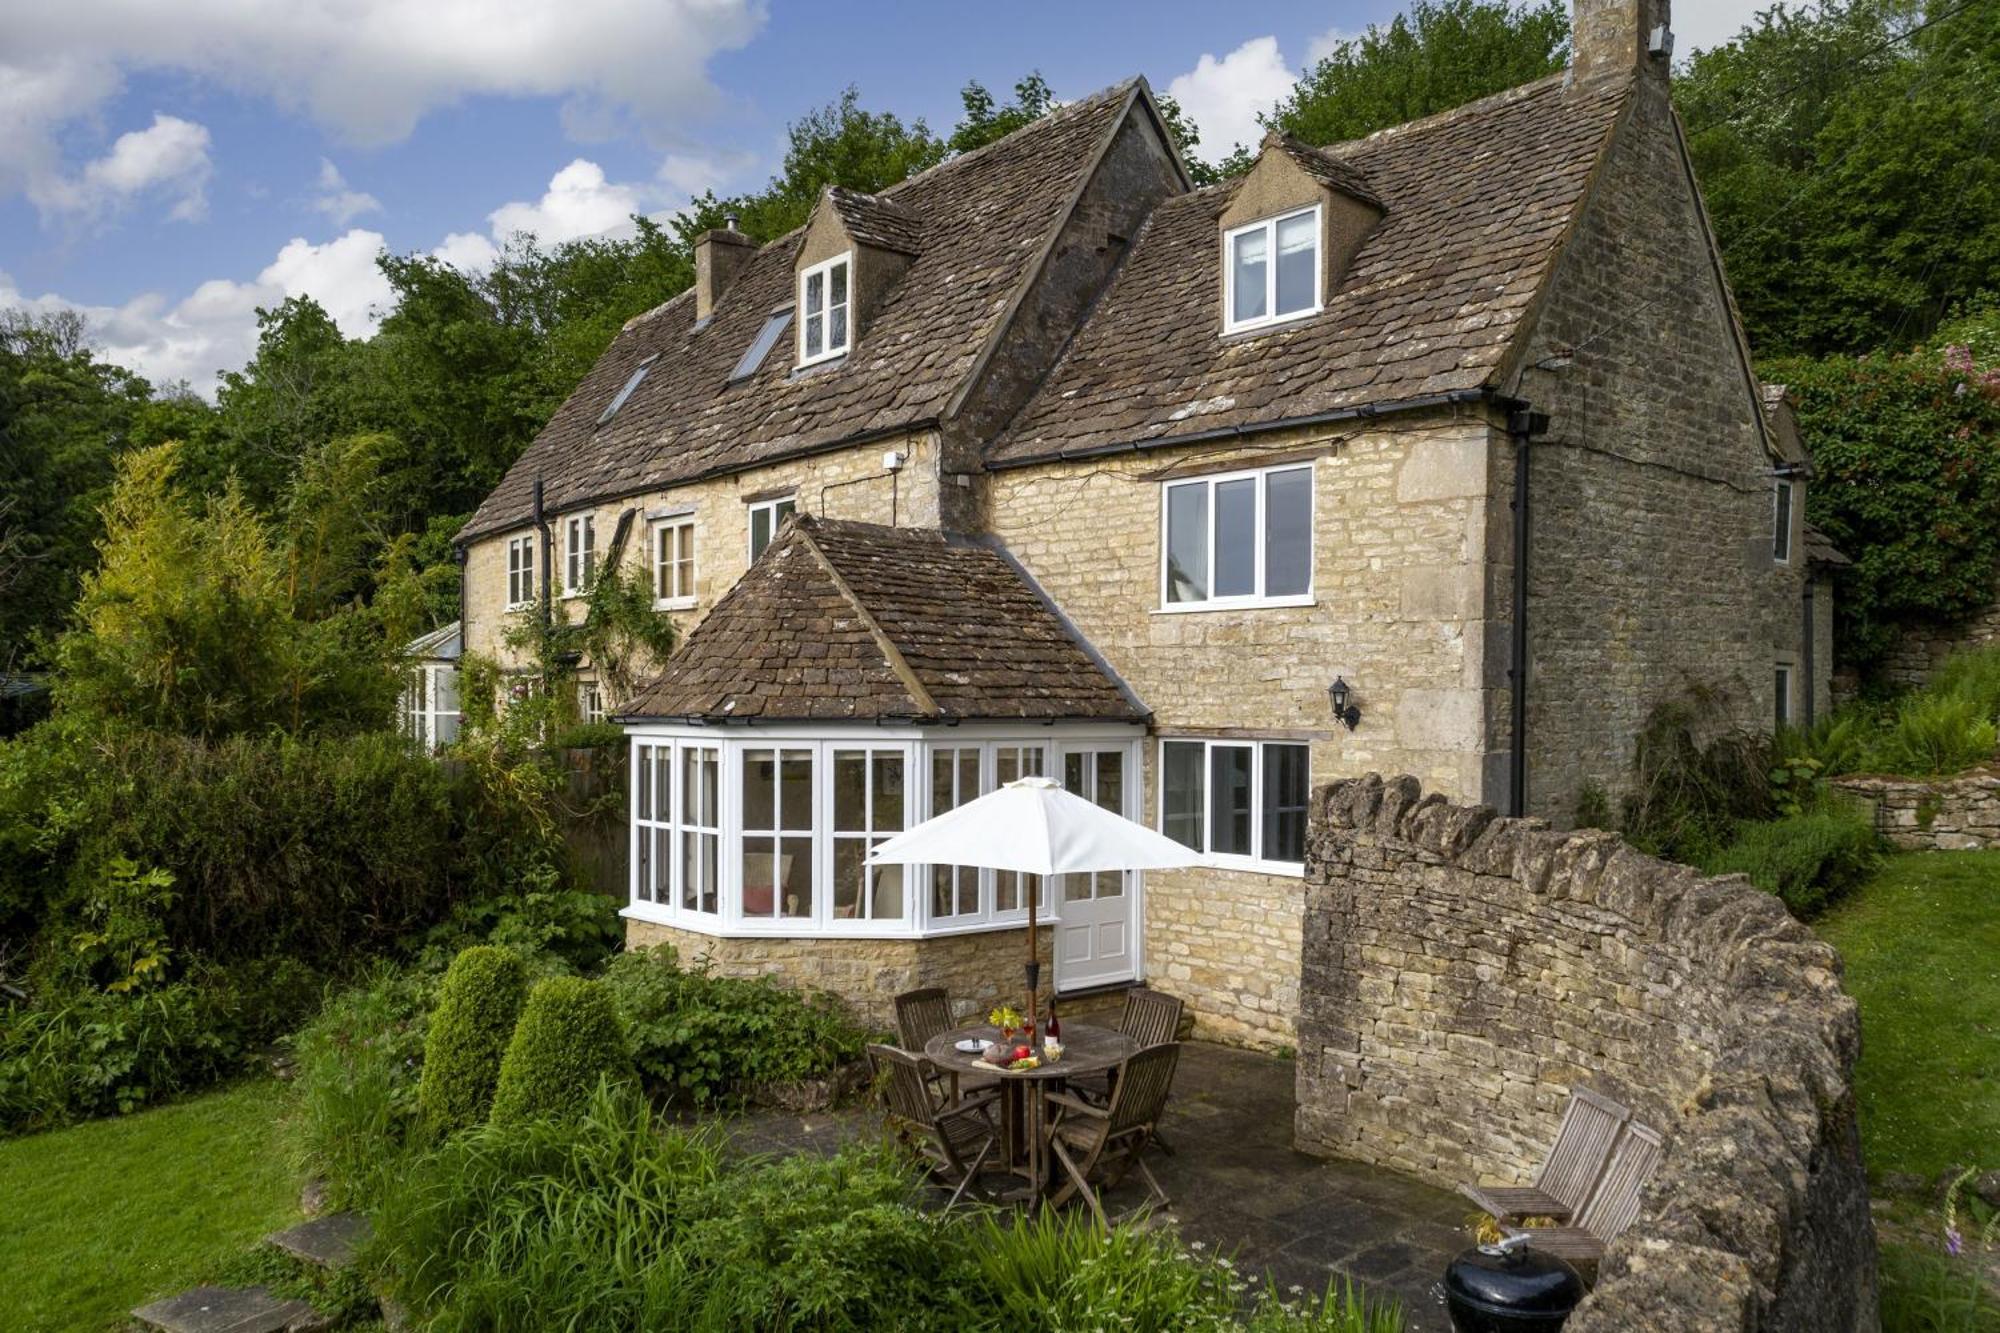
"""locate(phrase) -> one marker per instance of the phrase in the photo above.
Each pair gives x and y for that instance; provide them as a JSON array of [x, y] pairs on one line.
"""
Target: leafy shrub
[[83, 1053], [1808, 859], [1936, 733], [705, 1037], [1689, 795], [569, 1040], [358, 1074], [541, 919], [478, 1005], [1842, 741]]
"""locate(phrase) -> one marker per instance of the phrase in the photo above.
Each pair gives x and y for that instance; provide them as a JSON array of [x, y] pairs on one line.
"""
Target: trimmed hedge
[[569, 1040], [478, 1007]]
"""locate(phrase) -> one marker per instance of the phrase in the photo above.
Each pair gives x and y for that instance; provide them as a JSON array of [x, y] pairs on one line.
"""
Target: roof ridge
[[1518, 92], [1063, 112], [803, 526]]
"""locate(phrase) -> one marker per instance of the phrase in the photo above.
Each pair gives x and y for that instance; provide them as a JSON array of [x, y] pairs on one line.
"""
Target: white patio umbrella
[[1034, 827]]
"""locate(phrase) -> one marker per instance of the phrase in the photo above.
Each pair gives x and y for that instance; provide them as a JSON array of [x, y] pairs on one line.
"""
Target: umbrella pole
[[1034, 967]]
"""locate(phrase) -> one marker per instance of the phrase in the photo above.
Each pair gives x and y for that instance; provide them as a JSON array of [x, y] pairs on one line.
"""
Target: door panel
[[1094, 943]]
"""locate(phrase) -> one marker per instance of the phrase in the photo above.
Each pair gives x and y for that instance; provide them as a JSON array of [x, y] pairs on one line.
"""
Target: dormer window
[[631, 383], [823, 310], [1271, 271]]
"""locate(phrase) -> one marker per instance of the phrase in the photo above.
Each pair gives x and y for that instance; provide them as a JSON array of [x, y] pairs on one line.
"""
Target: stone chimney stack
[[1616, 37], [718, 254]]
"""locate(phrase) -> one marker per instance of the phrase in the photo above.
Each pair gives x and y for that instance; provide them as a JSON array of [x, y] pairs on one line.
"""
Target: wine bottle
[[1054, 1037]]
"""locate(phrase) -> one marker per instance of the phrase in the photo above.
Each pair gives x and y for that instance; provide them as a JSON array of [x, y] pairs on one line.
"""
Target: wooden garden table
[[1024, 1129]]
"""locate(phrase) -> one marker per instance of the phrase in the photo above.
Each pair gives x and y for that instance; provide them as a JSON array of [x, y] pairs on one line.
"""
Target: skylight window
[[618, 400], [767, 338]]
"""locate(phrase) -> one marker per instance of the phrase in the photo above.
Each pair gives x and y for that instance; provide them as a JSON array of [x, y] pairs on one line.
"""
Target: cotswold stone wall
[[1933, 815], [868, 974], [1463, 972]]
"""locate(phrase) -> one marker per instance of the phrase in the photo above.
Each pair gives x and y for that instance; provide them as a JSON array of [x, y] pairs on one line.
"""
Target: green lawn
[[104, 1216], [1922, 944]]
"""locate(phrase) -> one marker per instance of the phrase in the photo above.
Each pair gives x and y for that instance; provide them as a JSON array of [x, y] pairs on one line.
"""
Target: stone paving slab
[[1237, 1186], [328, 1241], [226, 1310]]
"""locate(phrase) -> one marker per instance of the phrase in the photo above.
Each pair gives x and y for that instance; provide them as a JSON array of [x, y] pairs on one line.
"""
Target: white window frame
[[824, 271], [1230, 324], [579, 556], [1256, 861], [589, 701], [915, 746], [668, 594], [423, 714], [520, 572], [1784, 499], [750, 521], [1255, 599]]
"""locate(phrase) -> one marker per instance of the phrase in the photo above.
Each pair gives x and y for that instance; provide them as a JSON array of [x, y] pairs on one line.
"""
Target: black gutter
[[720, 470], [1807, 654], [545, 589], [1523, 424], [1362, 412]]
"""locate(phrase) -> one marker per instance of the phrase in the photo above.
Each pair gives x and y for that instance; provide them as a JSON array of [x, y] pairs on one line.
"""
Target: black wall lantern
[[1343, 707]]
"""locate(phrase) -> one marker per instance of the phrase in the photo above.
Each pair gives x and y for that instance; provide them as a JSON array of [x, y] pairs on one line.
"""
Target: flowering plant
[[1005, 1017]]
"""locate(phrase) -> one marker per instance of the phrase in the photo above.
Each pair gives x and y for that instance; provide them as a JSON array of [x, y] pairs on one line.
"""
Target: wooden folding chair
[[1102, 1143], [1589, 1129], [955, 1138], [1149, 1018], [1612, 1206]]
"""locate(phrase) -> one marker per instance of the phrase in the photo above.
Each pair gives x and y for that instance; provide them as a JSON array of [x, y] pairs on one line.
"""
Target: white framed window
[[677, 826], [1242, 803], [579, 554], [825, 322], [1010, 887], [765, 518], [673, 563], [589, 701], [954, 775], [520, 572], [1781, 521], [775, 851], [1782, 693], [870, 802], [430, 706], [1237, 539], [1271, 271]]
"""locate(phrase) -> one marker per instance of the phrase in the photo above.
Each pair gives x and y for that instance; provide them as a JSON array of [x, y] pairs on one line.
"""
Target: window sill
[[1283, 869], [673, 603], [519, 606], [1236, 604], [826, 359], [1251, 330], [654, 914]]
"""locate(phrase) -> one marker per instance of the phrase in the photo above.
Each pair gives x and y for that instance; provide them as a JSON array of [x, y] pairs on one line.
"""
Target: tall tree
[[1441, 54], [984, 121], [1850, 156]]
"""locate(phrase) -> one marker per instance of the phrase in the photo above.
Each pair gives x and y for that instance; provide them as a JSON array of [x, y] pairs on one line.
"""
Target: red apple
[[1021, 1053]]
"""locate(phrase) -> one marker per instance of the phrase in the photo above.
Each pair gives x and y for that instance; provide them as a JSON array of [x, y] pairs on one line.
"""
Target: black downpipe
[[1807, 653], [545, 589], [1522, 426]]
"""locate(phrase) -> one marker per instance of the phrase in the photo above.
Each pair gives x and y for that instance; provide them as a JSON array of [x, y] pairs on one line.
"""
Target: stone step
[[228, 1310], [328, 1241]]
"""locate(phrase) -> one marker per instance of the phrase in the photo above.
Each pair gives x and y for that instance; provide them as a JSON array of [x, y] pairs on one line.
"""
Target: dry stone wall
[[1463, 972], [1952, 814]]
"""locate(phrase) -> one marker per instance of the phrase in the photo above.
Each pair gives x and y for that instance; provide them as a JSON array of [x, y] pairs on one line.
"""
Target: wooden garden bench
[[1584, 1140], [1612, 1206]]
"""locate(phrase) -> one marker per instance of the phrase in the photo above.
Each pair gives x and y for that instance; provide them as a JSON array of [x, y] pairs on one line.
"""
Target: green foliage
[[563, 928], [1905, 484], [121, 944], [1809, 858], [1438, 55], [1689, 795], [1948, 726], [1845, 153], [191, 623], [358, 1068], [1927, 1291], [704, 1037], [1936, 733], [568, 1041], [478, 1005], [71, 1055], [984, 122]]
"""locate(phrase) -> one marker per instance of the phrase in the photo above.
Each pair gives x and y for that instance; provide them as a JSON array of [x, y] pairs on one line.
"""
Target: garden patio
[[1238, 1186]]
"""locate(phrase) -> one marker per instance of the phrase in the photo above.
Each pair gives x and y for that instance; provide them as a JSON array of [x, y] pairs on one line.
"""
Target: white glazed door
[[1095, 944]]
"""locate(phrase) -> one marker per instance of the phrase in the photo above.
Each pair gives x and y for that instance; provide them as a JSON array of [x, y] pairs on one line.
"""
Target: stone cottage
[[1437, 452]]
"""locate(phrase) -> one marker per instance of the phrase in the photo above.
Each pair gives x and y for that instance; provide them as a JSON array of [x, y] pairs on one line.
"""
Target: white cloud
[[215, 327], [580, 201], [168, 158], [1326, 43], [337, 201], [1224, 96], [466, 251]]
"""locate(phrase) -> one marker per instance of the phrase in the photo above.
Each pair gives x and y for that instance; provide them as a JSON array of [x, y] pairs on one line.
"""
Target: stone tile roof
[[988, 215], [1477, 203], [877, 220], [842, 621], [1329, 170], [1820, 549]]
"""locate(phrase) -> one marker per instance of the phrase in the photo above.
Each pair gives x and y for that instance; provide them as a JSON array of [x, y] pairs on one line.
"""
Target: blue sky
[[167, 168]]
